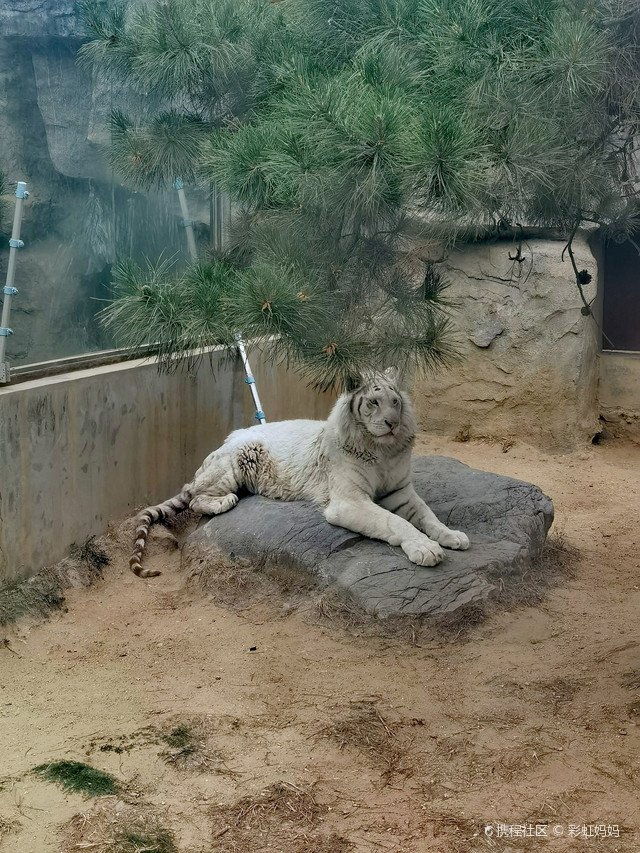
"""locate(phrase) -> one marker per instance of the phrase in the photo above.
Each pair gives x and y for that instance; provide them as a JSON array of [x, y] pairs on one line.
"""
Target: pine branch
[[346, 134]]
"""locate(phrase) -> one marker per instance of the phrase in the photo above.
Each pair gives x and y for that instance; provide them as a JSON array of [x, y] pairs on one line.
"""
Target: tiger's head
[[379, 409]]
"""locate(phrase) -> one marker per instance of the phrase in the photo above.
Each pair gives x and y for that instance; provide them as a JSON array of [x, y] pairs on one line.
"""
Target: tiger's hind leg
[[213, 504]]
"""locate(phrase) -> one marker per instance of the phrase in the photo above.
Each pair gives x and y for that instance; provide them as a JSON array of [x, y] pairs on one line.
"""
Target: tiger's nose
[[392, 424]]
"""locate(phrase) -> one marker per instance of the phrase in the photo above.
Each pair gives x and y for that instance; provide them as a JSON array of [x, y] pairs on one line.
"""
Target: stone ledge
[[507, 521]]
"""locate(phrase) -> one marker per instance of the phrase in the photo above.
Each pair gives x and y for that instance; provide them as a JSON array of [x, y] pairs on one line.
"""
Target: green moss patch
[[78, 777]]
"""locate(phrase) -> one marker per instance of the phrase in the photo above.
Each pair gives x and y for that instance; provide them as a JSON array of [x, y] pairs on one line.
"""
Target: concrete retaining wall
[[80, 449]]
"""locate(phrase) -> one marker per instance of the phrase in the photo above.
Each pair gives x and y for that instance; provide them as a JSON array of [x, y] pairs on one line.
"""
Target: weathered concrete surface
[[619, 390], [506, 520], [80, 449], [529, 365]]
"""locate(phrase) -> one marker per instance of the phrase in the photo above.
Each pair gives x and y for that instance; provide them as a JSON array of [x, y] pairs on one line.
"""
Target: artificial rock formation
[[528, 365]]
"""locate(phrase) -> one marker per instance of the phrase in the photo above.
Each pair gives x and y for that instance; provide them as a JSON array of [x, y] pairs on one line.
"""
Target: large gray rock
[[506, 520]]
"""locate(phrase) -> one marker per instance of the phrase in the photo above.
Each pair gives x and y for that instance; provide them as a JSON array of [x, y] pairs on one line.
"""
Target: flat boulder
[[506, 520]]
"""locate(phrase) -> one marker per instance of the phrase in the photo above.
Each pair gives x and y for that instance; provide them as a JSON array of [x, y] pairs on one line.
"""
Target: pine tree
[[352, 138]]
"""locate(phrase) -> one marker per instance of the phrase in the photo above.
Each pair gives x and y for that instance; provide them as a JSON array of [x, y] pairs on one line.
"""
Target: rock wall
[[78, 219], [528, 366]]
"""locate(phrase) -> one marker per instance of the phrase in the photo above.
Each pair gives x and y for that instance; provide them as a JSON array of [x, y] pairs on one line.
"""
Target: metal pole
[[9, 290], [251, 382], [188, 224]]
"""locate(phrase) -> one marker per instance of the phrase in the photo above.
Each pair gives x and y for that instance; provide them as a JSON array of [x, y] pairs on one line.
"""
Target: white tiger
[[356, 466]]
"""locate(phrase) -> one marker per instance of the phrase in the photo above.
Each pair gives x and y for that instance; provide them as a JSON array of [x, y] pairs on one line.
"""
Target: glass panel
[[78, 221], [63, 273]]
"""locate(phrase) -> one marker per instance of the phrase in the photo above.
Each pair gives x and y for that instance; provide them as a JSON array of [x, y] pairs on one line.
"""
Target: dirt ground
[[303, 734]]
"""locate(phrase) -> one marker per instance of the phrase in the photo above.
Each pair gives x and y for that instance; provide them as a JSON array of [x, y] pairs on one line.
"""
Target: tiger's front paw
[[422, 551], [455, 539], [208, 505]]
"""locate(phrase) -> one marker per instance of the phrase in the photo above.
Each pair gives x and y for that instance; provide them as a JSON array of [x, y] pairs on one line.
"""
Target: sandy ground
[[363, 743]]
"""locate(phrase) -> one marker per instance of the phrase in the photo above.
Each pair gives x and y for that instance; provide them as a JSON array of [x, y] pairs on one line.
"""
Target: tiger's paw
[[422, 551], [455, 539]]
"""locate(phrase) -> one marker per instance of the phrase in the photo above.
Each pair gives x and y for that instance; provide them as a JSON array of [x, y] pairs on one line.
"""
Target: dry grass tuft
[[551, 695], [232, 583], [464, 434], [283, 801], [42, 593], [141, 837], [188, 742], [558, 692], [283, 818], [92, 555], [331, 844], [7, 827], [239, 584], [364, 728], [455, 626], [461, 834], [338, 609], [36, 596], [182, 524], [185, 742], [555, 565], [117, 828]]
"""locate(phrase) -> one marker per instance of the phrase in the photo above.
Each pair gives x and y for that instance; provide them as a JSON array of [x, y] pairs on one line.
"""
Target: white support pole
[[188, 224], [251, 382], [9, 290]]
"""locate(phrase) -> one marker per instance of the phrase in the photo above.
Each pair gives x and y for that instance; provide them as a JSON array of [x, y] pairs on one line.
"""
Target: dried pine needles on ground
[[363, 727], [283, 818], [188, 742], [117, 828], [43, 593]]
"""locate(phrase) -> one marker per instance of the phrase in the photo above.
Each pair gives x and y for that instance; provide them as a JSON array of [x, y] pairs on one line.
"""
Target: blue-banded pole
[[188, 226], [9, 290], [251, 382]]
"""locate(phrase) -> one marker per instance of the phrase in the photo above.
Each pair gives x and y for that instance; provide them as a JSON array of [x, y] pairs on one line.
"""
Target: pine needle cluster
[[348, 135]]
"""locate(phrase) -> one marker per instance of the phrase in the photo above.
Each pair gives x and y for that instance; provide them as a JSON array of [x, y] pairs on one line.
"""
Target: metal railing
[[9, 290]]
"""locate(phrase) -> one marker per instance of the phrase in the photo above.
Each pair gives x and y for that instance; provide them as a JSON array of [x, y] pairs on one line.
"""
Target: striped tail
[[145, 519]]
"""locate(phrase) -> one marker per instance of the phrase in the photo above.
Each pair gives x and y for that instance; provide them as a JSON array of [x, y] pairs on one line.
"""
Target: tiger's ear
[[363, 378], [393, 375], [369, 376]]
